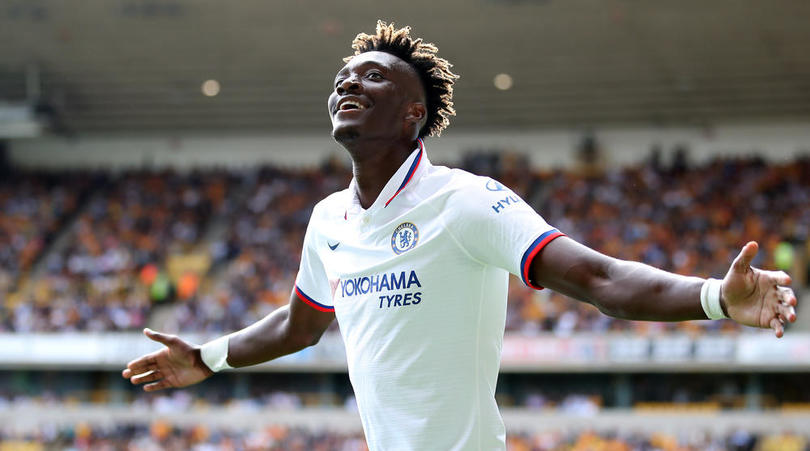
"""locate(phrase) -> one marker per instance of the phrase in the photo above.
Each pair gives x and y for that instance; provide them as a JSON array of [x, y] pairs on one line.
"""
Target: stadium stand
[[134, 195], [163, 435], [150, 239], [208, 251], [34, 207]]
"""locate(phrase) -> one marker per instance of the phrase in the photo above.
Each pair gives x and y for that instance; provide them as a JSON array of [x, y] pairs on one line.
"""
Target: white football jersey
[[418, 284]]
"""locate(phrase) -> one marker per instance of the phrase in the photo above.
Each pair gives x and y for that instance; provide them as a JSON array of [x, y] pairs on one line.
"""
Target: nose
[[349, 84]]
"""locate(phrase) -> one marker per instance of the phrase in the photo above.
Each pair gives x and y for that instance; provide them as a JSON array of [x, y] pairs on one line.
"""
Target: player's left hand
[[755, 297]]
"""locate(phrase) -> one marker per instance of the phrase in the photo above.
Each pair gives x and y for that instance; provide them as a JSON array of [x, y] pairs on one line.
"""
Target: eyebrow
[[366, 63]]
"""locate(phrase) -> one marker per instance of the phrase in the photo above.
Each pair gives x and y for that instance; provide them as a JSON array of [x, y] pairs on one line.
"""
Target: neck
[[373, 165]]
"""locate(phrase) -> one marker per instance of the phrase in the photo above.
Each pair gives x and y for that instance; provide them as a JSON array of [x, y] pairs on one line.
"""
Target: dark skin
[[379, 136]]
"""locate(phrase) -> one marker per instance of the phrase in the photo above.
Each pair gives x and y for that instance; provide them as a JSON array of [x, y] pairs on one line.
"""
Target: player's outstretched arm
[[632, 290], [285, 331], [179, 364]]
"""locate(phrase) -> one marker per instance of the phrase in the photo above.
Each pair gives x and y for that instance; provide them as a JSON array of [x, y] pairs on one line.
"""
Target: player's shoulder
[[453, 181], [461, 186], [459, 194]]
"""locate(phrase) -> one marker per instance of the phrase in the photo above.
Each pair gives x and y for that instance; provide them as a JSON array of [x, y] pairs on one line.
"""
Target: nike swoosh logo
[[333, 246]]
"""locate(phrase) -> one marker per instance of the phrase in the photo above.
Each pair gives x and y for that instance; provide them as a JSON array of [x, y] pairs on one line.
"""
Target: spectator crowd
[[33, 209], [112, 269], [162, 435], [129, 222]]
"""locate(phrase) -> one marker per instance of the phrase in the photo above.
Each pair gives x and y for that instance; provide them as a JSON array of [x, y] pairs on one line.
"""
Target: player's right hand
[[179, 364]]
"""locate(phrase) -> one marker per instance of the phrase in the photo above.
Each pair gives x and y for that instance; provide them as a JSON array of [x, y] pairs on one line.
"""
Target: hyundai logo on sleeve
[[493, 185]]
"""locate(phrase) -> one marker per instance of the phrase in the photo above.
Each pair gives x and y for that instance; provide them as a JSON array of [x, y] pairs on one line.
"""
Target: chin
[[345, 133]]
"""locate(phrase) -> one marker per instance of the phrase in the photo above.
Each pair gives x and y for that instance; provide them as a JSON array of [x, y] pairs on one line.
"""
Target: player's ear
[[416, 113]]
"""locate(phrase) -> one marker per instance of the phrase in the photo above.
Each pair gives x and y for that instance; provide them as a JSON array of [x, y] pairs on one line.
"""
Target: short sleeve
[[497, 227], [312, 283]]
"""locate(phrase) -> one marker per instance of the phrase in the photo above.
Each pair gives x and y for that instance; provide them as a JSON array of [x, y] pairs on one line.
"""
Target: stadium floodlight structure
[[26, 115], [19, 120]]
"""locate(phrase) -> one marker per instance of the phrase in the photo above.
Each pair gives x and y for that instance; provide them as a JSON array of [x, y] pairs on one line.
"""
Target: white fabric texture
[[418, 283]]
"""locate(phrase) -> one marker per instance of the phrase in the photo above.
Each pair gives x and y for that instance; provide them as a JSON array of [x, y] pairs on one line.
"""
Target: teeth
[[350, 103]]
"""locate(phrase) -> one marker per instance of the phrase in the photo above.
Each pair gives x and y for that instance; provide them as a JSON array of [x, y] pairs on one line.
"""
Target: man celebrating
[[414, 259]]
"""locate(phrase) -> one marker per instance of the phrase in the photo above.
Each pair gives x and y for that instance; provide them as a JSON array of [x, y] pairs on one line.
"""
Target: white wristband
[[710, 299], [215, 354]]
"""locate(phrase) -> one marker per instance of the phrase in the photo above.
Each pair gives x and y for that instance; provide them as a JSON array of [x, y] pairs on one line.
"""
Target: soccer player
[[413, 260]]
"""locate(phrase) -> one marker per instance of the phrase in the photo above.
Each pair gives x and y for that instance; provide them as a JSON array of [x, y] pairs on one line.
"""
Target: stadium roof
[[138, 65]]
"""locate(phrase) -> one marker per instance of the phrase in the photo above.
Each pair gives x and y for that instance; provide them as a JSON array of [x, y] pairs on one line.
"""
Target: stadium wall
[[548, 148]]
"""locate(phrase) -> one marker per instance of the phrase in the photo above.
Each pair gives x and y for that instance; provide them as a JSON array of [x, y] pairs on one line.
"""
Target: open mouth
[[350, 105]]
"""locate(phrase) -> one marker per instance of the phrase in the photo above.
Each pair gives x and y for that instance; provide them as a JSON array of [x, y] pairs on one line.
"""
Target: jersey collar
[[413, 167]]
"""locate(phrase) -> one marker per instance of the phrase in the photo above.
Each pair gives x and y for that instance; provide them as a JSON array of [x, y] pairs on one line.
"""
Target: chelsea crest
[[405, 237]]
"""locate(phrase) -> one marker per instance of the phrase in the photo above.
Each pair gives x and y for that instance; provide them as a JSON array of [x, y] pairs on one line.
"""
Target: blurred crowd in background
[[213, 251], [582, 394], [161, 435]]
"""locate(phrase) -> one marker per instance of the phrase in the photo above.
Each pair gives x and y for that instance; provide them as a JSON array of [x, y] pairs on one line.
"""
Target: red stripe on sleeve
[[311, 302], [528, 263]]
